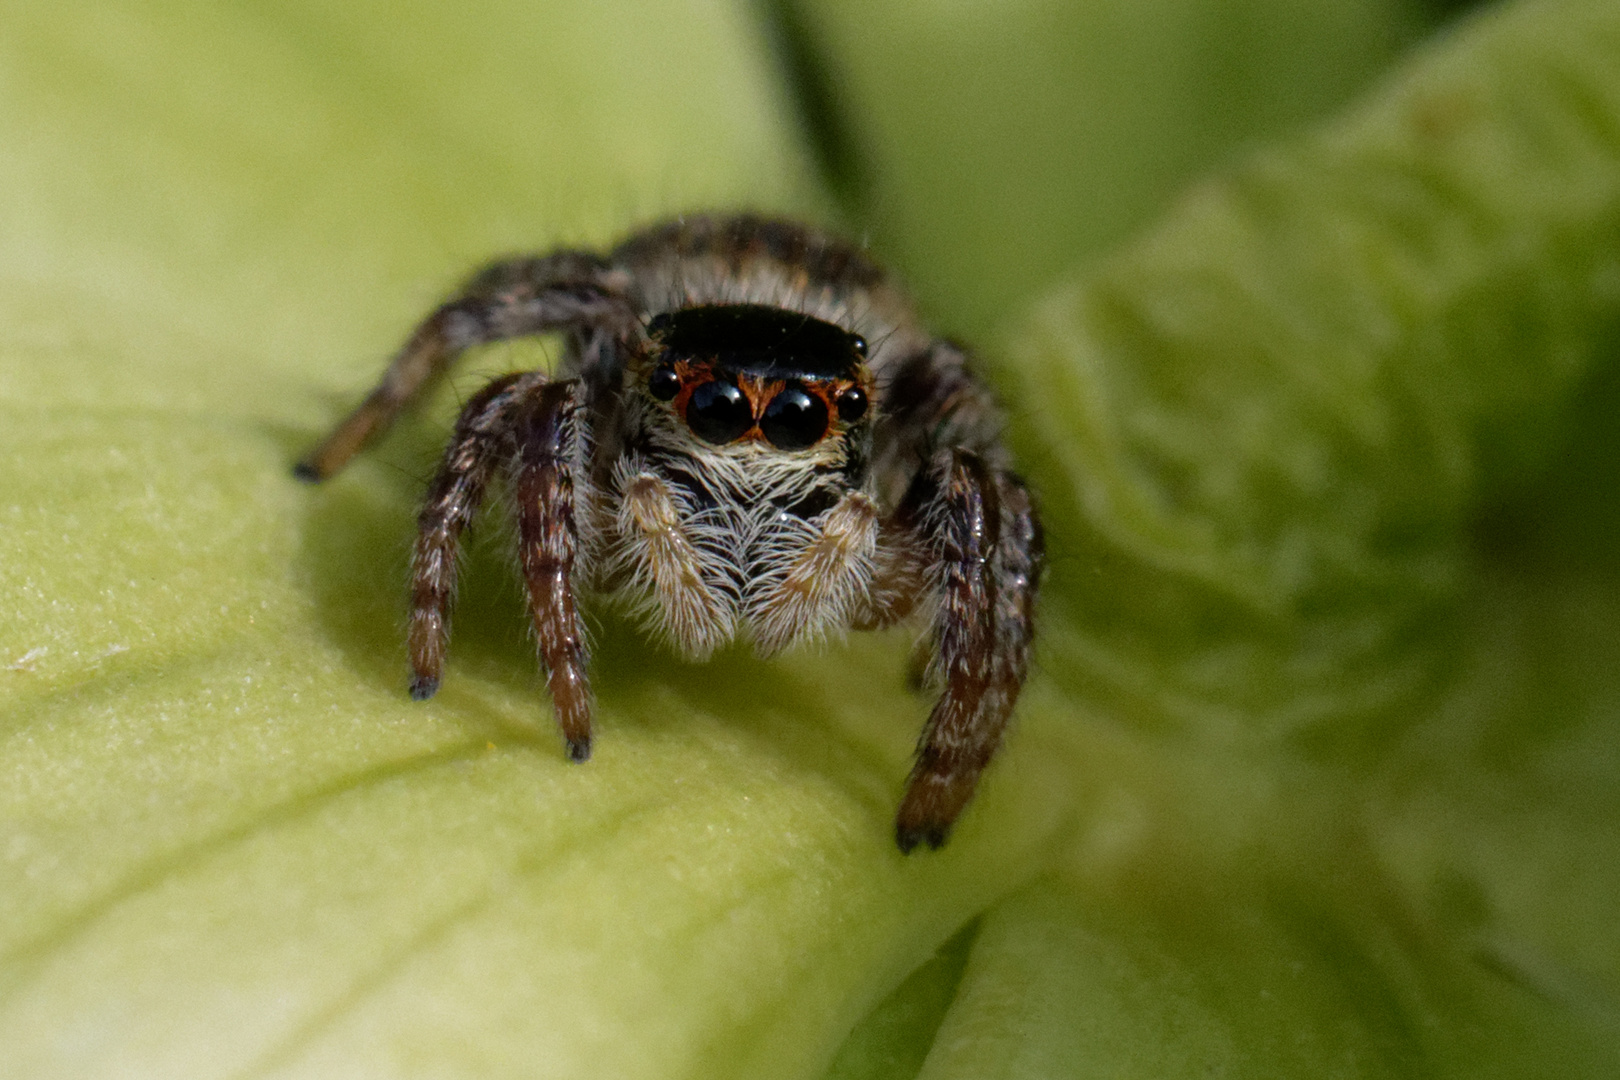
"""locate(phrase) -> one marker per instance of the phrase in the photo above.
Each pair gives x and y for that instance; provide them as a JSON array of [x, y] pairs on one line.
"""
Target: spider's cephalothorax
[[750, 435]]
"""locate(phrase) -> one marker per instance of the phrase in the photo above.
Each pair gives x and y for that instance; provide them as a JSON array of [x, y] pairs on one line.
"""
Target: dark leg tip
[[579, 750], [907, 837], [307, 473], [424, 687]]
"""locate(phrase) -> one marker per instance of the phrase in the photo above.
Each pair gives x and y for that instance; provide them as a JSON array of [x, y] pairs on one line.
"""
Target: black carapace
[[755, 339]]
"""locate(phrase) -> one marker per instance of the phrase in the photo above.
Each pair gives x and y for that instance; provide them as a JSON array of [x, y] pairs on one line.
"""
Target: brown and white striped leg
[[481, 441], [989, 552], [665, 562], [549, 459], [826, 582], [1016, 568], [568, 290]]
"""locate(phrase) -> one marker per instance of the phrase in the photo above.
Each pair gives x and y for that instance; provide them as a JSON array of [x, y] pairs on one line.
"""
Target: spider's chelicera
[[750, 433]]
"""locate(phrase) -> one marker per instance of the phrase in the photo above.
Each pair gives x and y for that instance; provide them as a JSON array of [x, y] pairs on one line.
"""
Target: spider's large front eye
[[717, 412], [794, 419]]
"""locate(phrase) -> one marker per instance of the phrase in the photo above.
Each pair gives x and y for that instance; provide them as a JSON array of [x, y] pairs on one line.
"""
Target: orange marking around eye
[[759, 392]]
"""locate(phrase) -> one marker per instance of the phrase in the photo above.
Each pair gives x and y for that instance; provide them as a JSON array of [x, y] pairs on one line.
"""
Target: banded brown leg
[[482, 440], [988, 546], [568, 290], [549, 458]]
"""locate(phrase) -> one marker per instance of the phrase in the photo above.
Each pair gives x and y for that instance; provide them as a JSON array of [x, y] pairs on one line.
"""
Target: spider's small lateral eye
[[852, 405], [859, 344], [718, 413], [794, 419], [663, 383]]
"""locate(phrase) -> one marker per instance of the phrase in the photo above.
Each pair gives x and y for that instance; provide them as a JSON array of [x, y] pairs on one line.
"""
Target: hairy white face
[[750, 427]]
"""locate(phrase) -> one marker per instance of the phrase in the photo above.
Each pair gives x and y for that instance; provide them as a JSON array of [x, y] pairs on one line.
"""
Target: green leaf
[[1319, 772], [1329, 467], [988, 146]]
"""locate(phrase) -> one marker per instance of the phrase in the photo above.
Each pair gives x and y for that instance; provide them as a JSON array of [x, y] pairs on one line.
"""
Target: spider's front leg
[[547, 467], [567, 290], [987, 545], [533, 424], [481, 441]]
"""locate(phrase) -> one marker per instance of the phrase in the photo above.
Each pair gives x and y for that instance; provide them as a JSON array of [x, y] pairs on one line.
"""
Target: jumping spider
[[749, 434]]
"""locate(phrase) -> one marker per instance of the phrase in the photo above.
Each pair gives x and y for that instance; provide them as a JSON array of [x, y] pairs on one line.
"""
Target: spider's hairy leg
[[825, 582], [482, 433], [899, 579], [665, 561], [989, 550], [932, 399], [511, 298], [1016, 568], [548, 459]]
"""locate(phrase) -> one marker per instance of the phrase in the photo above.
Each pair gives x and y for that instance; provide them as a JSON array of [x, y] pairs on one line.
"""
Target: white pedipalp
[[818, 586], [673, 582]]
